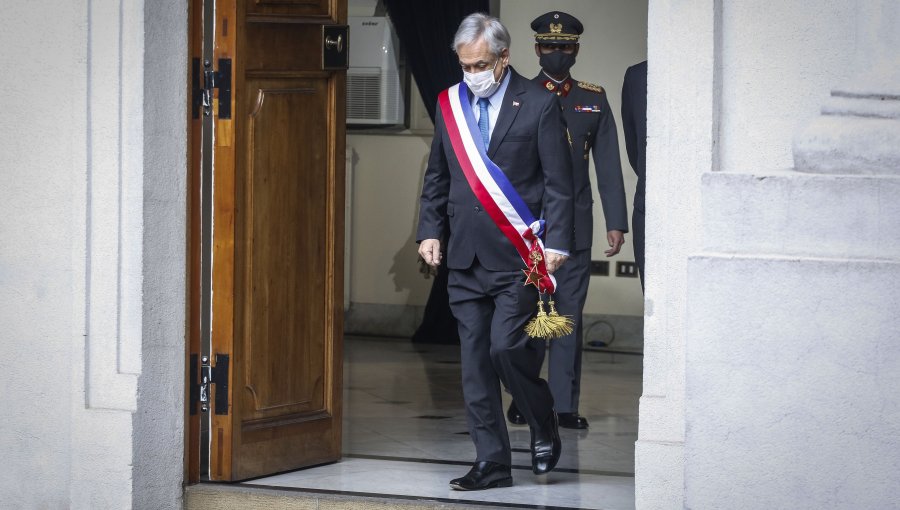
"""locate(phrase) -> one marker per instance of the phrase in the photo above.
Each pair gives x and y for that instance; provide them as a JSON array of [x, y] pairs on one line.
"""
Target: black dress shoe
[[483, 475], [572, 421], [546, 447], [514, 416]]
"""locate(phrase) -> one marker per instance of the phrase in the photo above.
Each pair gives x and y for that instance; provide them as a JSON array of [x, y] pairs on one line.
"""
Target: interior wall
[[388, 168], [387, 178]]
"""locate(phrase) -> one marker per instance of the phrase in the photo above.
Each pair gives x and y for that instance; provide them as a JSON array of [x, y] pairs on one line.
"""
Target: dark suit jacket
[[529, 145], [592, 128], [634, 122]]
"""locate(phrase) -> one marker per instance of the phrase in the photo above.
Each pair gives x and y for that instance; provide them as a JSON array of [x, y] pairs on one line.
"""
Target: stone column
[[682, 51], [859, 129]]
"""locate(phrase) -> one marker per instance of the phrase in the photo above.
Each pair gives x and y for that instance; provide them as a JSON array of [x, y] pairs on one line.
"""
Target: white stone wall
[[74, 266], [158, 445], [41, 265], [771, 328], [792, 355], [681, 120], [779, 61]]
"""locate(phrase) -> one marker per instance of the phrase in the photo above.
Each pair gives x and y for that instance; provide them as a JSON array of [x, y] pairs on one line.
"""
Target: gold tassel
[[561, 325], [541, 326]]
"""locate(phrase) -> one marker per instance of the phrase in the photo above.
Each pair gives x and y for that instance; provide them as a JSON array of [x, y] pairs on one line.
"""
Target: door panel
[[277, 308], [293, 8], [286, 270], [275, 50]]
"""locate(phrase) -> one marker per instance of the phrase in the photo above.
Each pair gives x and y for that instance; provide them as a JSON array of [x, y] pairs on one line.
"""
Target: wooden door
[[277, 237]]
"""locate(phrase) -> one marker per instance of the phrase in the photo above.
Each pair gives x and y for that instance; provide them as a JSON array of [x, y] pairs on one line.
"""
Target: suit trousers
[[564, 366], [492, 308]]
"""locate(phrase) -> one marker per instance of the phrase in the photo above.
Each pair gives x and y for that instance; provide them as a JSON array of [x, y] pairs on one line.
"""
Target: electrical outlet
[[599, 268], [627, 269]]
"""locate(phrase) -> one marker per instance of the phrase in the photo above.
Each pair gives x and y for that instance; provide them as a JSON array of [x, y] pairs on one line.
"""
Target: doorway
[[430, 362]]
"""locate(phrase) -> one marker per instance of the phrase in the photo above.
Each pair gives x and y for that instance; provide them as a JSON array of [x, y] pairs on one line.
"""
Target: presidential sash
[[503, 204], [497, 195]]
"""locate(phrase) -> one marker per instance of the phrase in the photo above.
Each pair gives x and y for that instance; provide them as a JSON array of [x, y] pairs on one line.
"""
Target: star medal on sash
[[532, 275], [545, 325]]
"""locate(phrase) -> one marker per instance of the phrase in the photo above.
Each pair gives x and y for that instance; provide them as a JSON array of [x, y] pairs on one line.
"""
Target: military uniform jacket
[[592, 129], [529, 144]]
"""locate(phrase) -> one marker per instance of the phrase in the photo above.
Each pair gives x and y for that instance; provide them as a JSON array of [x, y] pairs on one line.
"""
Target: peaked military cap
[[556, 27]]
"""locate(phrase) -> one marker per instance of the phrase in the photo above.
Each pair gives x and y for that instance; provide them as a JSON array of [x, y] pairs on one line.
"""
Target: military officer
[[592, 129]]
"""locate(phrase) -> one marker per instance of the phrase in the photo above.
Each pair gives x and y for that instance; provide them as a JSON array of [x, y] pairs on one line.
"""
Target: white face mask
[[482, 84]]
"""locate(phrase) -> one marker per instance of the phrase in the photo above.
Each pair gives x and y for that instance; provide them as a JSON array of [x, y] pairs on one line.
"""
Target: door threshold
[[249, 496]]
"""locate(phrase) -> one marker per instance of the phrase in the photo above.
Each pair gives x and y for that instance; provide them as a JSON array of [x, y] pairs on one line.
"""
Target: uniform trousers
[[492, 308], [564, 365]]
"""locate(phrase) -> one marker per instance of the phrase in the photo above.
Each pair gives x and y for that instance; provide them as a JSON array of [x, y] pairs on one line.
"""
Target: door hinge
[[204, 375], [203, 93]]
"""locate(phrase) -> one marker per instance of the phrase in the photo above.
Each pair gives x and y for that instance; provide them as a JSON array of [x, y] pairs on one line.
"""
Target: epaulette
[[590, 86]]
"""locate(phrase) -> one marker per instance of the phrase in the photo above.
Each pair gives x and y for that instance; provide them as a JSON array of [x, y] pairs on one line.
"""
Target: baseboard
[[376, 319], [382, 320], [616, 331]]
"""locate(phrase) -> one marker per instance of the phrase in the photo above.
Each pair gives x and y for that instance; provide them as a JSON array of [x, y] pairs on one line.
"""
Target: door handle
[[335, 44], [335, 47]]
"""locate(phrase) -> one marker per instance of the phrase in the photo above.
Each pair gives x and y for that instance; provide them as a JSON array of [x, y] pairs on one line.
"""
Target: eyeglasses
[[550, 48]]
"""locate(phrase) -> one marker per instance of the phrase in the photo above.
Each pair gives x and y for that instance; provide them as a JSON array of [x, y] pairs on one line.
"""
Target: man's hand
[[553, 261], [615, 238], [430, 250]]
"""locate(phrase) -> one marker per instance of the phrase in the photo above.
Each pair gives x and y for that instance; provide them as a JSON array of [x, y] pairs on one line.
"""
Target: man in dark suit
[[634, 123], [592, 129], [524, 134]]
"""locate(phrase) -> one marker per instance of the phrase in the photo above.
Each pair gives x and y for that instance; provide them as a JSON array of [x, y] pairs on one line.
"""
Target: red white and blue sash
[[497, 195]]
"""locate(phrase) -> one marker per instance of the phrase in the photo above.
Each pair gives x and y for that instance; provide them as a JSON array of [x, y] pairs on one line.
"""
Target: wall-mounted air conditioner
[[374, 89]]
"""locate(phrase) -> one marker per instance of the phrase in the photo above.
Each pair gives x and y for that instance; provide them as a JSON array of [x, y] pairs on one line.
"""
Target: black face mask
[[557, 63]]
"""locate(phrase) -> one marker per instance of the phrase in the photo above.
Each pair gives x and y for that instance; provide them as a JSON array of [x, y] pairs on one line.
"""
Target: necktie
[[483, 120]]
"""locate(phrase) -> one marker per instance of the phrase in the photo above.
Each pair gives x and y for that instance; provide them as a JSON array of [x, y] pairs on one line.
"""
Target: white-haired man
[[499, 161]]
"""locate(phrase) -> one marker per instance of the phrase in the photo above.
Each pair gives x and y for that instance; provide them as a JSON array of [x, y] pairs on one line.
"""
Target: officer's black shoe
[[513, 414], [572, 421], [483, 475], [546, 446]]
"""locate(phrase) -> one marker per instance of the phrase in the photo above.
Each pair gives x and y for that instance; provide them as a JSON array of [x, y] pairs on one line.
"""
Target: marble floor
[[405, 434]]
